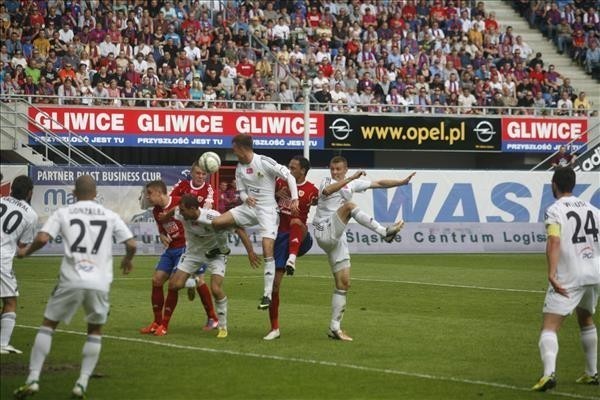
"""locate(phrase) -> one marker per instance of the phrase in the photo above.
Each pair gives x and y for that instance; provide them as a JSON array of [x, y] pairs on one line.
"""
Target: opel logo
[[485, 131], [340, 129]]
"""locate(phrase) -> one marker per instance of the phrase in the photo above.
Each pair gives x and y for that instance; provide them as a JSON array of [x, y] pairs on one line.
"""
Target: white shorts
[[8, 284], [585, 297], [267, 218], [190, 262], [331, 237], [64, 302]]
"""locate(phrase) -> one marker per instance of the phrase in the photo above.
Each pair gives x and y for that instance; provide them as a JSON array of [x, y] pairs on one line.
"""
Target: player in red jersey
[[172, 236], [293, 239], [205, 194]]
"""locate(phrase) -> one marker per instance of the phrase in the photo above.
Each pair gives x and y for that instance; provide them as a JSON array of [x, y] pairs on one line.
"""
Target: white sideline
[[449, 285], [323, 363]]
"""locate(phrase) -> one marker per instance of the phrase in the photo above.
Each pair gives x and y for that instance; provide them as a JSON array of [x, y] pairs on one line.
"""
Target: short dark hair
[[242, 140], [21, 186], [338, 159], [564, 179], [304, 163], [188, 200], [158, 184]]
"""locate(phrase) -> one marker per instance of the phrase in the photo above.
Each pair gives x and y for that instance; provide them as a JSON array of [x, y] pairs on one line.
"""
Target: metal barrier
[[410, 109]]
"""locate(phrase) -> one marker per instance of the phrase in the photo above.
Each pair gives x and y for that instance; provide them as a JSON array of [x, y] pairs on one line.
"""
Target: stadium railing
[[12, 114], [191, 104]]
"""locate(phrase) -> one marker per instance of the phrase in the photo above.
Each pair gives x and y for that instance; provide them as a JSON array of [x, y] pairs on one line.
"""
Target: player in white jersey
[[334, 210], [18, 224], [573, 257], [255, 177], [200, 238], [86, 272]]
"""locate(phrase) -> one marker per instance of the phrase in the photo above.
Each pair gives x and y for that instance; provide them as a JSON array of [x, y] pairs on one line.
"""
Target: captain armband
[[553, 229]]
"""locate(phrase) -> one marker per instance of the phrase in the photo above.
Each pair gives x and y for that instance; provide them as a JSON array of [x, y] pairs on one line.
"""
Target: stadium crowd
[[425, 56]]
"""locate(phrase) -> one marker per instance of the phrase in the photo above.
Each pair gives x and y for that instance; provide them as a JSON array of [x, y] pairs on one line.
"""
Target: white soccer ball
[[209, 162]]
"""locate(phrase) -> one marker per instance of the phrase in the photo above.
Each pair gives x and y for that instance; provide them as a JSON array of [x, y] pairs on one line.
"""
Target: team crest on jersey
[[300, 193], [260, 174], [249, 170], [200, 198]]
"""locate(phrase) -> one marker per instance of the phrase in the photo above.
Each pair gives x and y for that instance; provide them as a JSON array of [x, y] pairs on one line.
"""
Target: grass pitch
[[424, 327]]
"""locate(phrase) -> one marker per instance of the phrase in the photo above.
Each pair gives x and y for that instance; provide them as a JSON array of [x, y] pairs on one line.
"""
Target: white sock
[[548, 345], [91, 353], [7, 324], [338, 306], [589, 343], [367, 221], [190, 282], [292, 258], [221, 309], [269, 276], [41, 348]]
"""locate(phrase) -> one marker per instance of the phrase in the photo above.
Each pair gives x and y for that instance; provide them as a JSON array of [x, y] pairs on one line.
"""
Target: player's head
[[189, 207], [85, 188], [563, 181], [198, 174], [242, 147], [155, 191], [299, 167], [338, 167], [22, 188]]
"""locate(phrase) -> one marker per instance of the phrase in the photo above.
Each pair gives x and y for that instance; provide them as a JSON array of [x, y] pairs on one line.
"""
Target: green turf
[[424, 327]]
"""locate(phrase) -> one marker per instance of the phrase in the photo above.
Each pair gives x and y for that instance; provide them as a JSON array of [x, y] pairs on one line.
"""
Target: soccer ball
[[209, 162]]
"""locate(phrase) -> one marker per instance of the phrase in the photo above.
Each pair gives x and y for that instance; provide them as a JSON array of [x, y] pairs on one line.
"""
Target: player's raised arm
[[388, 183], [337, 185]]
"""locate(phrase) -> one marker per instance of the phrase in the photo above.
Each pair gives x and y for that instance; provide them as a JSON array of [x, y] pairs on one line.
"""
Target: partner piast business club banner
[[381, 132], [164, 127]]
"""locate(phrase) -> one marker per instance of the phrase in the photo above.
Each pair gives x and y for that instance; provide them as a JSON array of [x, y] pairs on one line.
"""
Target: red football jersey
[[204, 193], [172, 227], [307, 193]]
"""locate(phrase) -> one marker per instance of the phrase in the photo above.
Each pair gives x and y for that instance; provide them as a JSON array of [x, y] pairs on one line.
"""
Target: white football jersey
[[258, 177], [18, 224], [579, 262], [327, 205], [87, 229], [199, 236]]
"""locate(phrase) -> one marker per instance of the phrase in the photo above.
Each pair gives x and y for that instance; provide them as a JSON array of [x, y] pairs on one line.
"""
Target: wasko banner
[[590, 160], [542, 135], [175, 128], [380, 132]]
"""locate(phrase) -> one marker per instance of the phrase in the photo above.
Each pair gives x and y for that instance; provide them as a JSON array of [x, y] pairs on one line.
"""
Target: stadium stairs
[[14, 139], [579, 79]]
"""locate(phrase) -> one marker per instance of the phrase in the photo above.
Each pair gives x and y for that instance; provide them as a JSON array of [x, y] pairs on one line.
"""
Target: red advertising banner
[[168, 127], [542, 135]]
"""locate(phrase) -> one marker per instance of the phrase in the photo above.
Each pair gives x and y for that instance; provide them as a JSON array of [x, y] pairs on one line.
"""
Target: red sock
[[207, 301], [170, 304], [274, 311], [296, 235], [158, 300]]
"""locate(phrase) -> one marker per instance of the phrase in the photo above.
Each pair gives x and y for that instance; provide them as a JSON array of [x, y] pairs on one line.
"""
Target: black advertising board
[[385, 132]]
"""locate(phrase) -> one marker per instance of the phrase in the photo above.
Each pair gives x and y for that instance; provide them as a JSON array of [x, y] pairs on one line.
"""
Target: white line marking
[[448, 285], [323, 363]]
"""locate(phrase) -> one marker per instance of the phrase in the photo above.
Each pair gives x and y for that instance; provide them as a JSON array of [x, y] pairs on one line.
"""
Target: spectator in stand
[[582, 104], [564, 104], [592, 57]]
